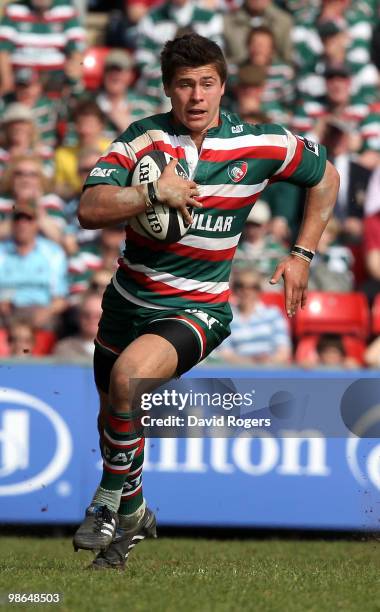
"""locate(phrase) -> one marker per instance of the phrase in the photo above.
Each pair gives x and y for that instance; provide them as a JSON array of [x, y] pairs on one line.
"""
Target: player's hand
[[177, 192], [295, 272]]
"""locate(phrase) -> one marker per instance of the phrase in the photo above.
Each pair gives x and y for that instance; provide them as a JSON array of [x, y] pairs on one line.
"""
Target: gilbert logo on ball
[[160, 222], [237, 171]]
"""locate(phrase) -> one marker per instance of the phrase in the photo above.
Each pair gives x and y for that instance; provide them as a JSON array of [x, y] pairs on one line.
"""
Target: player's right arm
[[102, 205]]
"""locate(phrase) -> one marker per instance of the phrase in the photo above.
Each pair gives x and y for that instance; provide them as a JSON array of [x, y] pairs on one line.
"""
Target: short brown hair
[[87, 107], [191, 51]]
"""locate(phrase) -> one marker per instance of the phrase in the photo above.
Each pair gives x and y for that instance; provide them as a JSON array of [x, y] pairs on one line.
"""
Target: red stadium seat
[[4, 348], [274, 299], [337, 313], [93, 66], [376, 316], [306, 349], [45, 341]]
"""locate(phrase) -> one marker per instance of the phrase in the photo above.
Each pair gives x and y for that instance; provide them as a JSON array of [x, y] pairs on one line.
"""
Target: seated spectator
[[19, 136], [354, 17], [248, 96], [33, 278], [28, 91], [257, 13], [311, 117], [81, 345], [29, 38], [24, 181], [89, 124], [353, 179], [261, 52], [258, 248], [259, 333], [87, 160], [372, 354], [331, 268], [20, 337], [104, 252], [163, 23], [330, 353], [335, 40], [118, 100]]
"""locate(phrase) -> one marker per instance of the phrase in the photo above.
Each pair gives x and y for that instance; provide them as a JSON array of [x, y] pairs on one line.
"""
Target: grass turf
[[175, 575]]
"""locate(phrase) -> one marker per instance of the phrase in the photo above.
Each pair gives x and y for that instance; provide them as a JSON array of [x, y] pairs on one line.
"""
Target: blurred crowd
[[75, 73]]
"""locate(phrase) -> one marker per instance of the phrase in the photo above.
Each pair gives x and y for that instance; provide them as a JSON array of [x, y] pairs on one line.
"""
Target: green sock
[[122, 442], [132, 494]]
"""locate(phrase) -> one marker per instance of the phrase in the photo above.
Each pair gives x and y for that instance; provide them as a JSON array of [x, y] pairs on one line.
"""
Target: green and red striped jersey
[[235, 164]]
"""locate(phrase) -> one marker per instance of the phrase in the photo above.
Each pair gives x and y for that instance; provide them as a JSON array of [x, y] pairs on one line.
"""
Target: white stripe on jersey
[[135, 300], [232, 191], [292, 146], [246, 141], [178, 282], [210, 244]]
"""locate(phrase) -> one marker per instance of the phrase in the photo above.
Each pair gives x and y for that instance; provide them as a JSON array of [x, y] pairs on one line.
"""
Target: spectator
[[353, 17], [280, 76], [335, 40], [24, 181], [87, 160], [311, 117], [331, 268], [81, 345], [354, 179], [249, 95], [44, 34], [258, 248], [20, 337], [329, 353], [164, 23], [20, 137], [255, 13], [102, 253], [89, 124], [259, 333], [32, 271], [28, 91], [119, 102]]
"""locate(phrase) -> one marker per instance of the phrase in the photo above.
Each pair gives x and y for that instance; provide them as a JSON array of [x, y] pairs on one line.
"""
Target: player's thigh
[[143, 365]]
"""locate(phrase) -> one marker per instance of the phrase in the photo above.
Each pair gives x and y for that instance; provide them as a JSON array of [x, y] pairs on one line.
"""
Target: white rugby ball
[[160, 221]]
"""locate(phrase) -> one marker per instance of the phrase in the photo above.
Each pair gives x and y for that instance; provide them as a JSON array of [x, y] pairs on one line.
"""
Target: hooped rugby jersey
[[235, 164]]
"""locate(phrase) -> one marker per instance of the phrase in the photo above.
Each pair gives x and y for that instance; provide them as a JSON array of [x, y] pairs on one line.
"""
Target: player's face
[[195, 95]]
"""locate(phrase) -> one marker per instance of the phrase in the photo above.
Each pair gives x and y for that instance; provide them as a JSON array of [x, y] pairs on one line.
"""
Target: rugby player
[[167, 305]]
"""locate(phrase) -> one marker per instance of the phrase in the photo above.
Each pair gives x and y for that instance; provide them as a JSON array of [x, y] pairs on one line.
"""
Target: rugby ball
[[160, 221]]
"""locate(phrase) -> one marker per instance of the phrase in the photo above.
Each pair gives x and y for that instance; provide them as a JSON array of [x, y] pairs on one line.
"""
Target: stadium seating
[[328, 312], [93, 66], [274, 299], [376, 316], [306, 348]]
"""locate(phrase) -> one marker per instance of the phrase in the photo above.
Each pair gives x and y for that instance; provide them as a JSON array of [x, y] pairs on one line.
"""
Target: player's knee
[[123, 385]]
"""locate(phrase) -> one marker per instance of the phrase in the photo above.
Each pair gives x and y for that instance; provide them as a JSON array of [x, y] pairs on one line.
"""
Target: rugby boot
[[97, 530], [116, 555]]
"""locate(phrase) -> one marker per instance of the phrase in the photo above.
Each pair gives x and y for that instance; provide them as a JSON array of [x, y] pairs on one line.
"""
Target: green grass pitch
[[199, 575]]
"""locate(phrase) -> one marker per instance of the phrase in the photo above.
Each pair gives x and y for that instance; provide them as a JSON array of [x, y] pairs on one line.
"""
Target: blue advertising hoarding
[[50, 462]]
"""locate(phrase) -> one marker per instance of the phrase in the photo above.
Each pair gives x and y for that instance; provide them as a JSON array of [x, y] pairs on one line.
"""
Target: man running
[[167, 306]]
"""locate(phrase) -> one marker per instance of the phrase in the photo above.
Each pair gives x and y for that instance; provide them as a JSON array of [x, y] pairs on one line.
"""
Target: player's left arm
[[320, 202]]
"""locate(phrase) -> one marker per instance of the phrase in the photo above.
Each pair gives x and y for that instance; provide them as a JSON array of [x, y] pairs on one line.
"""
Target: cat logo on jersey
[[237, 171]]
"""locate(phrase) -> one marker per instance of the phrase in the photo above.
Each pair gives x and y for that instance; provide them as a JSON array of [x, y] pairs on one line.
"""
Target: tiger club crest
[[237, 171]]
